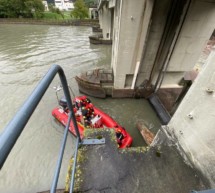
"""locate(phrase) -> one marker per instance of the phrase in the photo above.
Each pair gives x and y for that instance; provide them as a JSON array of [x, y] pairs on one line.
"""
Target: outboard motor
[[63, 103]]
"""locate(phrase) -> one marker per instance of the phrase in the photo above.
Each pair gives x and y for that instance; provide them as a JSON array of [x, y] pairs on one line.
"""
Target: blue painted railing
[[15, 127]]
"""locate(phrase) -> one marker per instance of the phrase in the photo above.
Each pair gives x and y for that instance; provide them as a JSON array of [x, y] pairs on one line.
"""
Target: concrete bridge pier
[[105, 21], [131, 27], [192, 126], [183, 44], [106, 24], [155, 43]]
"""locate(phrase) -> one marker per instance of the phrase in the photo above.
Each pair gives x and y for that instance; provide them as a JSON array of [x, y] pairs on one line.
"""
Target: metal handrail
[[15, 127]]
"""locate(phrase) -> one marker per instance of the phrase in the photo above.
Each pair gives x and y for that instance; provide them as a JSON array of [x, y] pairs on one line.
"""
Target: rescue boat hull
[[101, 119]]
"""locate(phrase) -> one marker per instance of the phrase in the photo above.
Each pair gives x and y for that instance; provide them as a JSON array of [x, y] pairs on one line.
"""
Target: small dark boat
[[96, 29], [98, 39], [97, 82]]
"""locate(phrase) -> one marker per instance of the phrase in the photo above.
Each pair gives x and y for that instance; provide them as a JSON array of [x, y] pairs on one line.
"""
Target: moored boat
[[96, 83], [98, 39], [88, 116]]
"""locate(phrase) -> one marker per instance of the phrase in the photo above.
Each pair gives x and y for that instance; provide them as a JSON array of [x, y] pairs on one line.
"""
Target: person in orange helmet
[[119, 136]]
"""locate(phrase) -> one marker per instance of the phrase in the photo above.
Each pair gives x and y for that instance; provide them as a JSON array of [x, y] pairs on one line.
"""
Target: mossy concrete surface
[[107, 169]]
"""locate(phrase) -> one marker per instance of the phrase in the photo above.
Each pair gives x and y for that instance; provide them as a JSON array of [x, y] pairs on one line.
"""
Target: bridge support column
[[191, 36], [131, 24], [106, 22], [192, 125]]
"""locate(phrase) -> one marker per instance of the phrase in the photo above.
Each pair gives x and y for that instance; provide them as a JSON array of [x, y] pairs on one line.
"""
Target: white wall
[[105, 23], [193, 124], [153, 39], [130, 30], [45, 5], [64, 5], [112, 3], [196, 31]]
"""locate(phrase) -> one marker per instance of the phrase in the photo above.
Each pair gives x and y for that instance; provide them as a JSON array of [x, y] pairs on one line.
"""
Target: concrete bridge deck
[[105, 169]]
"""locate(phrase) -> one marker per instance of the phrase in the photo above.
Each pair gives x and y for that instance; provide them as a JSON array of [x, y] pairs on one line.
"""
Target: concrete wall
[[105, 17], [193, 123], [130, 30], [137, 45], [100, 18], [153, 40], [195, 33], [112, 3]]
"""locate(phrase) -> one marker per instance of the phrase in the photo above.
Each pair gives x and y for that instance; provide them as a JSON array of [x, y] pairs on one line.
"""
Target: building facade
[[45, 3], [64, 5]]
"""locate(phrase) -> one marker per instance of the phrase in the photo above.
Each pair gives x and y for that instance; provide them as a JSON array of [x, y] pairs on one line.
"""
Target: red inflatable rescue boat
[[88, 116]]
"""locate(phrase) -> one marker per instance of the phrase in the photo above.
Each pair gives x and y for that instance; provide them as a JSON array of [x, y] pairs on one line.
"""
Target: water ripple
[[41, 46], [26, 54]]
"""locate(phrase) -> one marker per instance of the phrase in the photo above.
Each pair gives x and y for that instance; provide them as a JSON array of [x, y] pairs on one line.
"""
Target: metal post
[[69, 101], [73, 168], [60, 157]]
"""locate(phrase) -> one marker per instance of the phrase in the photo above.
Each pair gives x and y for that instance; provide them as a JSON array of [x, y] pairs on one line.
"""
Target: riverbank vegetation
[[33, 12], [80, 10], [35, 9], [21, 9]]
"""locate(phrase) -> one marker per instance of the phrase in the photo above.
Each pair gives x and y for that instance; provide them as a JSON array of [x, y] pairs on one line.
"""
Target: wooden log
[[148, 136]]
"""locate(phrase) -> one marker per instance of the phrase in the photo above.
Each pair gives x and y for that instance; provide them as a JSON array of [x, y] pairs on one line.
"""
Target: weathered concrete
[[98, 39], [168, 95], [99, 83], [138, 33], [96, 28], [156, 28], [105, 19], [130, 30], [105, 168], [192, 125], [156, 41]]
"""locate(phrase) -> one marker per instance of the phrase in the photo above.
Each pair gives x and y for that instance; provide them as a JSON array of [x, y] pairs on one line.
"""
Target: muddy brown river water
[[26, 54]]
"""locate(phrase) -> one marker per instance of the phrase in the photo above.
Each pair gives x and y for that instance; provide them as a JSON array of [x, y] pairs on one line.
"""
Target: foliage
[[51, 15], [66, 14], [56, 10], [55, 16], [80, 10], [34, 7], [21, 8], [90, 3]]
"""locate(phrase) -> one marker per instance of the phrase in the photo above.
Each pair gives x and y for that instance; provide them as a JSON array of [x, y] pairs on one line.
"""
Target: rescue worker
[[88, 101], [85, 101], [90, 109], [86, 116], [63, 104], [119, 136]]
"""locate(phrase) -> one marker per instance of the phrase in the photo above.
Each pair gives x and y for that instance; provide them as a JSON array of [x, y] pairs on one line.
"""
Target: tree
[[80, 10], [53, 9], [90, 3], [4, 9], [34, 8], [21, 8]]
